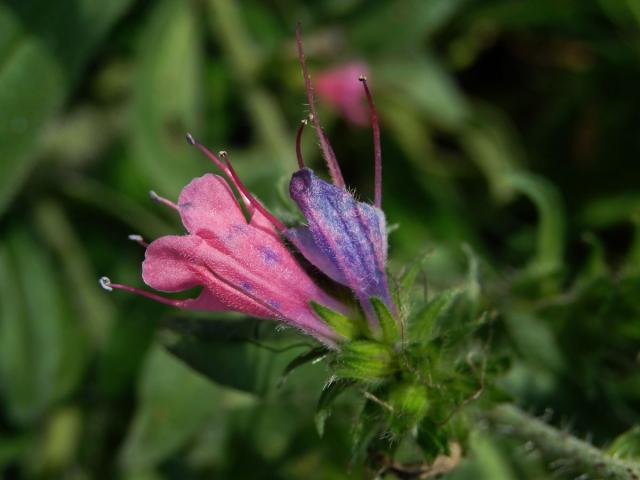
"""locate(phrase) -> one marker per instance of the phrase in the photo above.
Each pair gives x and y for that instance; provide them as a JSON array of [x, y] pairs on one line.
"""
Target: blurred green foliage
[[509, 128]]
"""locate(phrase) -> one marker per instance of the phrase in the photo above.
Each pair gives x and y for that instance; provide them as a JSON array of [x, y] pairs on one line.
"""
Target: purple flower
[[344, 238]]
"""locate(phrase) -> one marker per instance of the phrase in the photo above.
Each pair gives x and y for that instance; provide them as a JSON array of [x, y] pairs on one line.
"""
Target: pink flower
[[340, 88], [243, 266]]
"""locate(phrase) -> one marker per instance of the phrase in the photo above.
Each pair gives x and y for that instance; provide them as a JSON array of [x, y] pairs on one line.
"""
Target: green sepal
[[365, 361], [423, 326], [404, 292], [410, 404], [341, 324], [312, 356], [330, 392], [388, 324]]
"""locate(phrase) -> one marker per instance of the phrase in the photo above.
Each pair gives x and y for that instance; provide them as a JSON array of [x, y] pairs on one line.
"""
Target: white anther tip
[[154, 196], [190, 139], [362, 78], [135, 238], [105, 282], [222, 153]]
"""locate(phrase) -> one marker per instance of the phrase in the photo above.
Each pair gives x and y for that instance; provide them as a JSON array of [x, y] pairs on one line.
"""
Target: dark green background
[[511, 126]]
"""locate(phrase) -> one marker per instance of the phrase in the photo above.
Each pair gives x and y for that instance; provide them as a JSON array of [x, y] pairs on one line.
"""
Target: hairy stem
[[559, 447]]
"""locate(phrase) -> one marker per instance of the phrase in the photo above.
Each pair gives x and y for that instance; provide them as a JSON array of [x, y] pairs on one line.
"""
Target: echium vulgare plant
[[412, 362]]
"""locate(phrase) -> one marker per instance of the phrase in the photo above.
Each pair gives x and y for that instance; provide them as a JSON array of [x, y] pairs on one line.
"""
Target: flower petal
[[175, 263], [208, 203], [244, 273], [350, 237], [303, 240]]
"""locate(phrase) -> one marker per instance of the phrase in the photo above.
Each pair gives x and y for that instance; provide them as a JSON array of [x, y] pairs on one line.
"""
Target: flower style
[[345, 239], [242, 266], [340, 88]]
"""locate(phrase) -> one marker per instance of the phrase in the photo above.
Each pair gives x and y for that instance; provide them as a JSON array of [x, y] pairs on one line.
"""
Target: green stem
[[555, 444]]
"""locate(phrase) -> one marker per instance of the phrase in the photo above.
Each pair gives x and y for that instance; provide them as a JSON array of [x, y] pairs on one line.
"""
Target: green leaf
[[489, 140], [167, 97], [535, 340], [422, 325], [44, 47], [329, 394], [433, 439], [388, 324], [410, 404], [491, 461], [312, 356], [91, 304], [174, 403], [626, 445], [42, 345], [249, 364], [341, 324], [408, 280], [549, 255], [427, 86], [411, 21]]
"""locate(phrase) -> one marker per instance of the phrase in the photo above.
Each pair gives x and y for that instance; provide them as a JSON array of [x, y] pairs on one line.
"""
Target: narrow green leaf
[[167, 97], [535, 340], [341, 324], [427, 85], [252, 366], [329, 394], [490, 459], [549, 255], [42, 345], [411, 21], [388, 324], [422, 325], [174, 403], [312, 356], [91, 303], [626, 445], [43, 48]]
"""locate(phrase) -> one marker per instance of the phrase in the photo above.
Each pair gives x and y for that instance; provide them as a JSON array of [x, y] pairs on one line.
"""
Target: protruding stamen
[[303, 124], [327, 151], [228, 170], [236, 181], [254, 203], [207, 152], [157, 198], [105, 282], [138, 239], [377, 149]]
